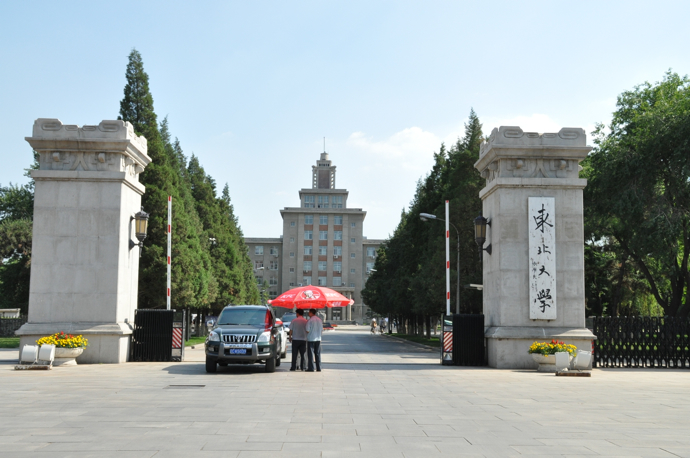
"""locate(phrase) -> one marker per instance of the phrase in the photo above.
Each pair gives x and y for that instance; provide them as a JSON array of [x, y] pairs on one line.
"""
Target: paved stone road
[[374, 398]]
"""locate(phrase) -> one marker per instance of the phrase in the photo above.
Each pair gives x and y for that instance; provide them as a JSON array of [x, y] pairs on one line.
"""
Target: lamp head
[[480, 224], [426, 216], [141, 223]]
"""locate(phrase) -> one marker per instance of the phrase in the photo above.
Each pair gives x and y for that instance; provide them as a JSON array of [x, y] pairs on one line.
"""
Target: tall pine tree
[[190, 267], [408, 281]]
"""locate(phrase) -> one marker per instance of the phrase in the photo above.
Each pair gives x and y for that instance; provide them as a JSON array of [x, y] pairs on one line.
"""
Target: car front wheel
[[211, 365], [271, 365]]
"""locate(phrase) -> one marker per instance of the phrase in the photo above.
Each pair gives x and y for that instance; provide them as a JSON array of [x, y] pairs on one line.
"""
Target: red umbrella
[[311, 297]]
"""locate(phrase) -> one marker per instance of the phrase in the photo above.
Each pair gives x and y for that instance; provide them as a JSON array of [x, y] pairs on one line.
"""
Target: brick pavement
[[375, 398]]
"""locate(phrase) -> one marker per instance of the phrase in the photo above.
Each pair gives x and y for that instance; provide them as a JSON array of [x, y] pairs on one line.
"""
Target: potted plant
[[68, 347], [544, 353]]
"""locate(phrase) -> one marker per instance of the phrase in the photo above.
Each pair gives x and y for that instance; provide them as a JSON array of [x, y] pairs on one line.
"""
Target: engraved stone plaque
[[542, 258]]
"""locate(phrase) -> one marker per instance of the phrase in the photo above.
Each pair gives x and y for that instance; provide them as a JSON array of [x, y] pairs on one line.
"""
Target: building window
[[259, 250], [307, 266], [352, 240], [323, 220], [258, 264], [292, 224], [292, 283], [273, 281], [308, 235], [352, 255], [307, 251], [337, 251], [337, 266], [323, 265], [337, 281], [273, 265], [337, 235], [274, 251], [370, 265], [352, 285], [338, 219], [371, 252], [323, 202], [308, 201], [306, 281], [292, 254], [323, 251], [337, 202], [292, 240], [322, 281], [323, 235], [353, 224], [352, 271], [309, 219], [292, 270]]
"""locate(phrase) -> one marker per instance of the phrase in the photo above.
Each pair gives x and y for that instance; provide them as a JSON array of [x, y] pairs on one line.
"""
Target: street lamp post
[[427, 217]]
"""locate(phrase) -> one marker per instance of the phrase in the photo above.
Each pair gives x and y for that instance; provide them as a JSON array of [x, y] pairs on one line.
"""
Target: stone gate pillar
[[84, 274], [534, 279]]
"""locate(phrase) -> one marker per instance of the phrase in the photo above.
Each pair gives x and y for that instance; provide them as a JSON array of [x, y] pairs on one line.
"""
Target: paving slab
[[375, 397]]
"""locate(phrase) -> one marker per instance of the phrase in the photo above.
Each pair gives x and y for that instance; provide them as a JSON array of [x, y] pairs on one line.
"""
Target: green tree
[[16, 224], [228, 253], [162, 178], [409, 277], [637, 200], [246, 290]]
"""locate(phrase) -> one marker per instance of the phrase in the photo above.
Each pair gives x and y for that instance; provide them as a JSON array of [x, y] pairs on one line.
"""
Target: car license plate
[[238, 351]]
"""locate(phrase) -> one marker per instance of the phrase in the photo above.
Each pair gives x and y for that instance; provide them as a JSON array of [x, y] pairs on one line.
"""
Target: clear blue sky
[[253, 87]]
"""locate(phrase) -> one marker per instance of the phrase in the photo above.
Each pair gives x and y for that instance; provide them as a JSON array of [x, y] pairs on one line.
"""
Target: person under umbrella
[[314, 331], [298, 336]]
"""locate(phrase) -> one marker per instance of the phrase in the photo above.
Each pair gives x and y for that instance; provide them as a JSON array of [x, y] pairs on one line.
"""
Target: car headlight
[[213, 336], [264, 337]]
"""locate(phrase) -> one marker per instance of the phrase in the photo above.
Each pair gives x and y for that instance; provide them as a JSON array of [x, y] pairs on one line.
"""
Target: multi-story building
[[322, 244]]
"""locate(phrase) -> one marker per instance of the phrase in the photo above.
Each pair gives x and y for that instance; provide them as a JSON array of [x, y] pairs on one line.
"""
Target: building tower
[[323, 173], [322, 244]]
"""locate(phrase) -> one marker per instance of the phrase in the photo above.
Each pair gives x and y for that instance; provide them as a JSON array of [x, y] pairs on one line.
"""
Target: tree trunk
[[618, 289]]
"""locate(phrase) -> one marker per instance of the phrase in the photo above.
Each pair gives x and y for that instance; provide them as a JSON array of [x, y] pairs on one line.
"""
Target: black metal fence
[[641, 342], [9, 325], [468, 340], [152, 339]]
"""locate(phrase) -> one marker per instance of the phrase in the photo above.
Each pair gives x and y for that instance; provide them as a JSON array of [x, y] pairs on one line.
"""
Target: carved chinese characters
[[542, 258]]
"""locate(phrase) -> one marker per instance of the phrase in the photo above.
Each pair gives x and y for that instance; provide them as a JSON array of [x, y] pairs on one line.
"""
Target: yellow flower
[[62, 340]]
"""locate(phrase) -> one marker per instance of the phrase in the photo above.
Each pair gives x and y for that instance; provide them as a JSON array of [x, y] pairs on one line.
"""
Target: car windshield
[[289, 317], [252, 317]]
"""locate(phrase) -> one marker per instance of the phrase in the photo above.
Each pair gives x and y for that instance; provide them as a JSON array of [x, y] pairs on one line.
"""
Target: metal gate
[[463, 340], [152, 339], [642, 342]]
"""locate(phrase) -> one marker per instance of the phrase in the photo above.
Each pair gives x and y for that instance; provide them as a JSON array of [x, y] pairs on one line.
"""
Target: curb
[[416, 344]]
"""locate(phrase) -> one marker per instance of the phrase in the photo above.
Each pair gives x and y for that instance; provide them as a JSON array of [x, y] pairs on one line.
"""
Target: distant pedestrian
[[314, 331], [298, 336]]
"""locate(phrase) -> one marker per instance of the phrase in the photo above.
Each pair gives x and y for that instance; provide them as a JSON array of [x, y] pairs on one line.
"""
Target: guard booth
[[158, 335], [462, 340]]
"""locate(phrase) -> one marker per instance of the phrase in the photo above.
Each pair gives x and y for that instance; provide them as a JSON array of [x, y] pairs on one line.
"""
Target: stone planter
[[546, 363], [67, 356]]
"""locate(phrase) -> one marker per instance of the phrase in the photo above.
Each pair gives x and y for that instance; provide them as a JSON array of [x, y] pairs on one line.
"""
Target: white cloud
[[411, 148]]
